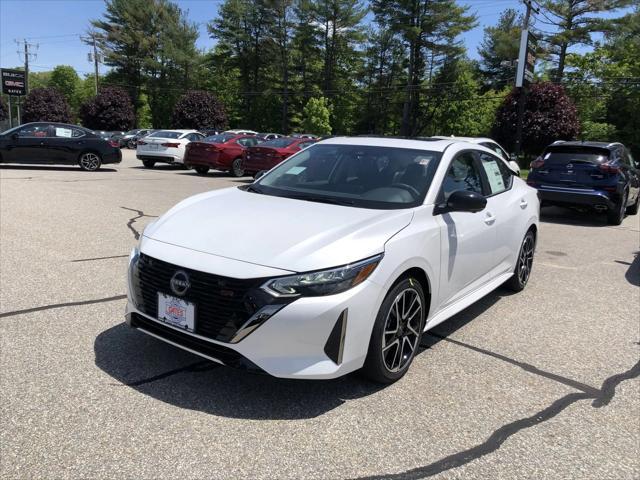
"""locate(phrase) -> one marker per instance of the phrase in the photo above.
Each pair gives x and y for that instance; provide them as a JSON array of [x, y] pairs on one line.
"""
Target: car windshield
[[565, 155], [165, 134], [278, 143], [354, 175], [225, 137]]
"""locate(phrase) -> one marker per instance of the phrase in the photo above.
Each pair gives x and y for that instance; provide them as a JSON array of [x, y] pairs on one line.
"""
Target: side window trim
[[476, 163]]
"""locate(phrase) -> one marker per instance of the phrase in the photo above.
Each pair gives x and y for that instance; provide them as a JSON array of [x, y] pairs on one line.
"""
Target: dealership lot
[[541, 384]]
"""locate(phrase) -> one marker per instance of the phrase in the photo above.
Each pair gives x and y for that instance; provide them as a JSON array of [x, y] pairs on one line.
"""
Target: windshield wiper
[[253, 189], [330, 200]]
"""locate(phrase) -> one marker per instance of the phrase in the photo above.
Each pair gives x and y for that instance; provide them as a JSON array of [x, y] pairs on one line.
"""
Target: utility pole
[[91, 40], [27, 56], [522, 93]]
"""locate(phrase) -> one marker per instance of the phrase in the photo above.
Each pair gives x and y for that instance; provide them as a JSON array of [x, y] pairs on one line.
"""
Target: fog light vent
[[335, 343]]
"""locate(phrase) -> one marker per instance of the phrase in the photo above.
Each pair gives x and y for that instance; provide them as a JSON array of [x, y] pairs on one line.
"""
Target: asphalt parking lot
[[541, 384]]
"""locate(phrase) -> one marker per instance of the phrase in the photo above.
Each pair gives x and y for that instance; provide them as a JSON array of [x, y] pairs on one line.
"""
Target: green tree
[[316, 116], [39, 79], [67, 81], [499, 49], [576, 21], [430, 30]]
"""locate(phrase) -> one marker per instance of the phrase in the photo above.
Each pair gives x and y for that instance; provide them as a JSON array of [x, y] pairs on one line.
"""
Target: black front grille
[[222, 304]]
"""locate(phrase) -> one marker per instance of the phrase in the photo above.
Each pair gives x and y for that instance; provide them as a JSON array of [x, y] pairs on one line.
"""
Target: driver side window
[[31, 131], [463, 174]]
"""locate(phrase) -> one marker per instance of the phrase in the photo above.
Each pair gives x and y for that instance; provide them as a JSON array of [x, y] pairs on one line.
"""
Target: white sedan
[[165, 146], [336, 260]]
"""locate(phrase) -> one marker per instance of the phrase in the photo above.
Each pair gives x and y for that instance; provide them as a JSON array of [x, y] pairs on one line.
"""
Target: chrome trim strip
[[180, 346], [343, 333]]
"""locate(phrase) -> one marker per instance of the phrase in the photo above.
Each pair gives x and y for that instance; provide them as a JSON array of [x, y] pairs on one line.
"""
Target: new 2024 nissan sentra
[[337, 259]]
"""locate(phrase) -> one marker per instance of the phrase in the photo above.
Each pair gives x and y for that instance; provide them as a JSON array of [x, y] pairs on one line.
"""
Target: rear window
[[220, 138], [278, 143], [166, 134], [564, 155]]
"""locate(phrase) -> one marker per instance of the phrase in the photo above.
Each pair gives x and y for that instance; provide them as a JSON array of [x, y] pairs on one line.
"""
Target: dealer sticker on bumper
[[176, 312]]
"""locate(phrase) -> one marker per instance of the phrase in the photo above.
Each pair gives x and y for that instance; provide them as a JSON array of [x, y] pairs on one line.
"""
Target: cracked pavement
[[541, 384]]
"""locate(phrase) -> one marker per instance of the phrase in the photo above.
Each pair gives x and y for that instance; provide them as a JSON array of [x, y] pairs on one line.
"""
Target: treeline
[[384, 67]]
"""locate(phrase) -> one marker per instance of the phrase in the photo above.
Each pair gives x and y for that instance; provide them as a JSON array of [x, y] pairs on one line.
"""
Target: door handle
[[523, 204], [490, 219]]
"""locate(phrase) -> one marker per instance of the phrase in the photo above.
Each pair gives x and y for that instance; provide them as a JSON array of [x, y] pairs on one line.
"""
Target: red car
[[220, 152], [268, 154]]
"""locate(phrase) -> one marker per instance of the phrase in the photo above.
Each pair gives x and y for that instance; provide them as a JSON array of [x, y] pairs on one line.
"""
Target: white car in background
[[165, 146], [337, 259], [491, 145], [241, 132]]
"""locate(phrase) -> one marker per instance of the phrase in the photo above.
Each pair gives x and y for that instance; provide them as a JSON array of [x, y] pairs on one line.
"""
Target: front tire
[[524, 264], [202, 170], [397, 332], [236, 168], [90, 162], [633, 209]]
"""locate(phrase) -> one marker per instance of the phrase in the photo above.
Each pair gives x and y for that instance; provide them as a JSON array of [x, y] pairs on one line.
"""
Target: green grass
[[524, 173]]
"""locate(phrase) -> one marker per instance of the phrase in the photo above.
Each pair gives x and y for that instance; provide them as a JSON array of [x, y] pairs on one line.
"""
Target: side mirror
[[515, 167], [259, 174], [463, 201]]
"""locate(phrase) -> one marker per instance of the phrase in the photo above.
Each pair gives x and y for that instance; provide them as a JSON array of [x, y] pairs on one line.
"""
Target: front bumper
[[574, 196], [299, 341]]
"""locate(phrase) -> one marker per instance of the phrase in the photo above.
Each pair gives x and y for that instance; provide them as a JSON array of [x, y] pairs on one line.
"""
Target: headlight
[[324, 282]]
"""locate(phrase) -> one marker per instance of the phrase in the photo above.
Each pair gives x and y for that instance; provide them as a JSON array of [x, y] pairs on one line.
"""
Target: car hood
[[277, 232]]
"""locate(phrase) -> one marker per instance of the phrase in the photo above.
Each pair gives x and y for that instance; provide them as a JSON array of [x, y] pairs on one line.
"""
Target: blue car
[[597, 175]]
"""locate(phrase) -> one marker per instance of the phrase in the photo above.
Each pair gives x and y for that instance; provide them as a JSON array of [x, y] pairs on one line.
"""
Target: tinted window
[[166, 134], [278, 143], [355, 175], [34, 131], [248, 142], [222, 138], [496, 148], [462, 175], [572, 154], [497, 173]]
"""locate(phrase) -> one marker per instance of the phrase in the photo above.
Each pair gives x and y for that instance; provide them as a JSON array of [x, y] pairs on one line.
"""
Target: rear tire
[[524, 264], [236, 168], [616, 215], [90, 161], [633, 209], [202, 170], [397, 332], [148, 163]]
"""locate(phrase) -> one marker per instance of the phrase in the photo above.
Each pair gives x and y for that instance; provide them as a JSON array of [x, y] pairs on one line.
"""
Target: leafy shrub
[[4, 110], [45, 105], [549, 115], [316, 116], [111, 109], [198, 109]]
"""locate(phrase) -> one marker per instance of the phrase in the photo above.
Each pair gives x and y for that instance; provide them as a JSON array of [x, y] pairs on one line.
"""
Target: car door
[[508, 206], [631, 171], [65, 144], [468, 240], [28, 145]]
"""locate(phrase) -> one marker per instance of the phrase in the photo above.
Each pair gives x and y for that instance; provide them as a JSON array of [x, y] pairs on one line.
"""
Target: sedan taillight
[[537, 163], [114, 144], [608, 168], [170, 145]]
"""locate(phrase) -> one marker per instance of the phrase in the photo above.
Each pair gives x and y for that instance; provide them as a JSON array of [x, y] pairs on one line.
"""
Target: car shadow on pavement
[[179, 378], [57, 168], [569, 216], [633, 272]]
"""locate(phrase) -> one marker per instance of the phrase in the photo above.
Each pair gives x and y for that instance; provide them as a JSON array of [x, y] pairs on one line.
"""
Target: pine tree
[[499, 49]]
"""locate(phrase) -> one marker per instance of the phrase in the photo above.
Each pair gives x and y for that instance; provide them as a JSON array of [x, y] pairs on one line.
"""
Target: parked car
[[491, 145], [165, 146], [269, 136], [220, 152], [267, 155], [598, 175], [304, 135], [209, 132], [337, 259], [105, 135], [241, 132], [130, 138], [57, 143]]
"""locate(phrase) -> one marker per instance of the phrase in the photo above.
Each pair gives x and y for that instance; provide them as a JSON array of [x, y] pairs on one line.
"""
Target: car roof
[[465, 139], [432, 144], [578, 143]]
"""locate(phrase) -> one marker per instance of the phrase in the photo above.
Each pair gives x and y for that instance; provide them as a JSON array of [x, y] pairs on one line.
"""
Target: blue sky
[[55, 25]]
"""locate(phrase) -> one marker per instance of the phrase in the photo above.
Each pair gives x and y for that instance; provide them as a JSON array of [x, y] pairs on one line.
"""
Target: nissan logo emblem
[[180, 283]]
